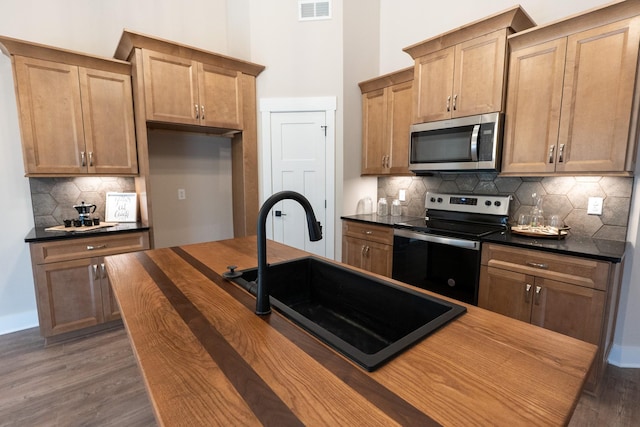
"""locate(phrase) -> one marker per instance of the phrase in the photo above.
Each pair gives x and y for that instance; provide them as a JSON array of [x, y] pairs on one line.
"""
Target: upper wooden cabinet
[[179, 90], [76, 111], [386, 118], [571, 106], [462, 72], [187, 86]]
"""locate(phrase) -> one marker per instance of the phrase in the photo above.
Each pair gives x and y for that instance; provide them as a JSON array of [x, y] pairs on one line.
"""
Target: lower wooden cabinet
[[570, 295], [367, 246], [72, 289]]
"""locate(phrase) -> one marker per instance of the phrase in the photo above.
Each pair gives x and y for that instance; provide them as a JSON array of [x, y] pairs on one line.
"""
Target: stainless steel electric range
[[441, 253]]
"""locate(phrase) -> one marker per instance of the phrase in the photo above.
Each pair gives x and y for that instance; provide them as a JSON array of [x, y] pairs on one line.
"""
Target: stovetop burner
[[470, 216]]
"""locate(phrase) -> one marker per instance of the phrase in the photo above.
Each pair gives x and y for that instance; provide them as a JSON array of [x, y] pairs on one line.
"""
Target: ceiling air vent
[[313, 10]]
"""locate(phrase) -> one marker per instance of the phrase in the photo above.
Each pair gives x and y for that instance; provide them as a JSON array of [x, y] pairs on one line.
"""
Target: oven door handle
[[432, 238]]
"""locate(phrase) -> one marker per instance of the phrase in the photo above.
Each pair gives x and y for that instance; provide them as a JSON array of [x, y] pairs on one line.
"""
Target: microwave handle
[[474, 142]]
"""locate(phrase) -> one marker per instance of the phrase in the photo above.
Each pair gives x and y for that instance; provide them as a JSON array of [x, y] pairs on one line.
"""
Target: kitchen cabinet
[[368, 246], [462, 73], [73, 293], [171, 82], [570, 295], [181, 90], [571, 105], [75, 111], [386, 118]]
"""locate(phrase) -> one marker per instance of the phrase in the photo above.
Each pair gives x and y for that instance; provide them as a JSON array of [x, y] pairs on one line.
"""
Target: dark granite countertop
[[382, 220], [38, 234], [604, 250]]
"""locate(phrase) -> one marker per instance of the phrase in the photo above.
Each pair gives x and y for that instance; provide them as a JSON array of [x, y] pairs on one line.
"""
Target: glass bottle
[[383, 207]]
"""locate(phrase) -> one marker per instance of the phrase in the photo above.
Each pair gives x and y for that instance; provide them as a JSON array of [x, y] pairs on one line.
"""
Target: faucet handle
[[231, 273]]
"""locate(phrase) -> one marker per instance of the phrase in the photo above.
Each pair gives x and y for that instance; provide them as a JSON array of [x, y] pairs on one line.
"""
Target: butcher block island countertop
[[207, 359]]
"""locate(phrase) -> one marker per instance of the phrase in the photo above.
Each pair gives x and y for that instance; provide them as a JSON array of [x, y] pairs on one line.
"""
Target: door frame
[[292, 105]]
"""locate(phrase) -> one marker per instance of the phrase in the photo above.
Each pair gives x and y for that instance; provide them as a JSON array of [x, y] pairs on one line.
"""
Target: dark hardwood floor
[[95, 381]]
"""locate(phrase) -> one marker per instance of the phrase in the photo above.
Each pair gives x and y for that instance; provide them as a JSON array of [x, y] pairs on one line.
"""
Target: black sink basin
[[368, 320]]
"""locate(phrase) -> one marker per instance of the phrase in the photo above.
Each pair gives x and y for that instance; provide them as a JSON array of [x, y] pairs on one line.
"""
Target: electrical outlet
[[595, 206], [402, 195], [182, 194]]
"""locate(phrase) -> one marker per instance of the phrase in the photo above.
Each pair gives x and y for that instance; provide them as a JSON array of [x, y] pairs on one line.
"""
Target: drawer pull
[[368, 232], [93, 248], [537, 265]]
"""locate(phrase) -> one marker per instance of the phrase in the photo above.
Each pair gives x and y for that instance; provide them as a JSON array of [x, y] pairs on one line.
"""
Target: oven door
[[444, 265]]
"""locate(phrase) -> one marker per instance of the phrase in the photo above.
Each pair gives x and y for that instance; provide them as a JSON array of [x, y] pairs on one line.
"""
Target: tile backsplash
[[563, 196], [53, 198]]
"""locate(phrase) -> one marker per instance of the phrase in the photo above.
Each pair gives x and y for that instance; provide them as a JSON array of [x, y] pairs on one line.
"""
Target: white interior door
[[298, 164], [298, 151]]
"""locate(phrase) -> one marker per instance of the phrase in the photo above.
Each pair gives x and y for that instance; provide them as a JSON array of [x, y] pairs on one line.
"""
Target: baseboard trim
[[624, 356]]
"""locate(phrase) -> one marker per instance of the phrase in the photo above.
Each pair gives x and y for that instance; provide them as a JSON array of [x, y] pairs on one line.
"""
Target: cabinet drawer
[[62, 250], [367, 231], [565, 268]]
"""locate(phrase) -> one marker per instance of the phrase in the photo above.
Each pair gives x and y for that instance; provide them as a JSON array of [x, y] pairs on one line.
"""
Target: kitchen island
[[207, 359]]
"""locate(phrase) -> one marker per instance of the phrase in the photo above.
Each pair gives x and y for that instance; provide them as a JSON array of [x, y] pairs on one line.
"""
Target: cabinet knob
[[551, 150], [448, 103], [527, 293], [195, 107], [96, 276], [455, 102], [561, 153], [103, 271], [202, 112], [538, 291], [83, 159], [90, 158]]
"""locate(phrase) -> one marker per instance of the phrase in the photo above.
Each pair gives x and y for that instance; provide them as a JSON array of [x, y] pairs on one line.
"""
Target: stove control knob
[[433, 200], [439, 199], [497, 203], [487, 203]]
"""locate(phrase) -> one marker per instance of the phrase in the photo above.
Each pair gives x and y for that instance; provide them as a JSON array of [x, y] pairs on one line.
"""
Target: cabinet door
[[400, 104], [68, 297], [374, 119], [568, 309], [506, 292], [433, 86], [107, 109], [534, 96], [170, 88], [353, 251], [378, 258], [220, 95], [597, 99], [478, 82], [50, 117], [110, 307]]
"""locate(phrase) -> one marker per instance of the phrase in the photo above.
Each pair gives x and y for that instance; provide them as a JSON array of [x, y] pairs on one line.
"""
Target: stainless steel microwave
[[461, 144]]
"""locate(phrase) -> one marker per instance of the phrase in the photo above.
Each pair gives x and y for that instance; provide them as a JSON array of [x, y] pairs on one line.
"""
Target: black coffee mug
[[96, 221], [67, 222]]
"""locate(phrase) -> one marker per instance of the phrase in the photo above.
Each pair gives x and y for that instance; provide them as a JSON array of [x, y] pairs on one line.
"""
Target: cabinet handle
[[537, 265], [368, 232], [455, 102], [95, 272], [388, 160], [202, 112], [551, 150], [448, 103], [538, 291], [103, 271], [366, 251], [561, 153], [527, 293], [90, 158], [195, 106], [83, 158], [93, 248], [362, 251]]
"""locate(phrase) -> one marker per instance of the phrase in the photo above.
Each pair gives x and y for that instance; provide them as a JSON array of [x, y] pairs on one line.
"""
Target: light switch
[[182, 194], [402, 195], [595, 206]]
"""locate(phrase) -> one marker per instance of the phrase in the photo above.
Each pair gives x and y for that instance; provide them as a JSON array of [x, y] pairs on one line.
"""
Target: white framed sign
[[121, 207]]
